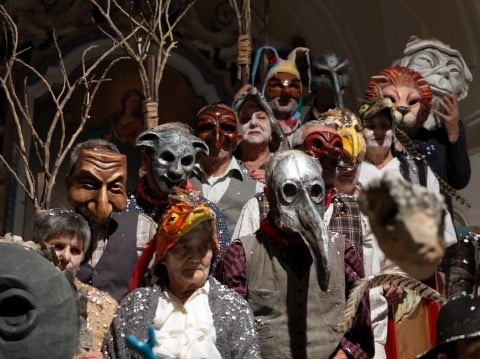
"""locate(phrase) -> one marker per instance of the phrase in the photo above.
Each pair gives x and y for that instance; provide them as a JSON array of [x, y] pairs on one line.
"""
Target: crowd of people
[[244, 236]]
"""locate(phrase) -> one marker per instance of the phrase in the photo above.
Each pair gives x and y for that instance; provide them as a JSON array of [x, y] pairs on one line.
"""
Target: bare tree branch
[[39, 186], [154, 35]]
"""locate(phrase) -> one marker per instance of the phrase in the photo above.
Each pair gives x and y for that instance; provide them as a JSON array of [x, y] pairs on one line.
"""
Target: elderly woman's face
[[255, 129], [69, 251], [188, 261]]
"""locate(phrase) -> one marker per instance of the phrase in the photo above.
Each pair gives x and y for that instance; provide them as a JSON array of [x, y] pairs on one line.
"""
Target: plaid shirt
[[358, 341]]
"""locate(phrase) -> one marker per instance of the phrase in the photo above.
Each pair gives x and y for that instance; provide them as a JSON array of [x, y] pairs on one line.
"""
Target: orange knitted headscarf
[[178, 219]]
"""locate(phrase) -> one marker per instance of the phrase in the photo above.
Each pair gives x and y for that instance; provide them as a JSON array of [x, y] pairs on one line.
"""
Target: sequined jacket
[[232, 318]]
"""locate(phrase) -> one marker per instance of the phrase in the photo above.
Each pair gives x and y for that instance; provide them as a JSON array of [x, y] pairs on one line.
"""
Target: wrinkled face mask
[[97, 185], [443, 72], [172, 153], [217, 126]]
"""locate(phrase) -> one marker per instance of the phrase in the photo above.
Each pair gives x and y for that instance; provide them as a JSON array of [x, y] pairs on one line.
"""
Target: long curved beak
[[315, 235]]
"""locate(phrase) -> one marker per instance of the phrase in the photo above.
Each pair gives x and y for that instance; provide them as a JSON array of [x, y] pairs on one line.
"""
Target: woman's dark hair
[[60, 221]]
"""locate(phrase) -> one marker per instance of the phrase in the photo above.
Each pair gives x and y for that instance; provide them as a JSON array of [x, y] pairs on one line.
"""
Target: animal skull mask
[[408, 222], [331, 71], [172, 153]]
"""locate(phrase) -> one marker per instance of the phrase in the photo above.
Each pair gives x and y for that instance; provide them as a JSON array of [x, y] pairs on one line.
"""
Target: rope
[[150, 110], [244, 54], [244, 43]]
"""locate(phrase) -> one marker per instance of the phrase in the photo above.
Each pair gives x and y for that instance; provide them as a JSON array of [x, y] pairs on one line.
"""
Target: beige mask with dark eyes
[[408, 222], [97, 184]]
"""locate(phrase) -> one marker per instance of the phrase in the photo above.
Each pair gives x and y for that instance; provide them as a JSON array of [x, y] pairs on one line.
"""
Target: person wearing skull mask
[[96, 190], [168, 155], [220, 177], [287, 267], [329, 80]]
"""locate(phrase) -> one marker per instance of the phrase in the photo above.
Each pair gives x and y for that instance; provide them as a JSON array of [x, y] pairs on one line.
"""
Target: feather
[[412, 151], [386, 277]]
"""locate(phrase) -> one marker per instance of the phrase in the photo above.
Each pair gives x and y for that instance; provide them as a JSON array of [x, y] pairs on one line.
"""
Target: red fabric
[[432, 312], [391, 344], [329, 197], [141, 192], [141, 266]]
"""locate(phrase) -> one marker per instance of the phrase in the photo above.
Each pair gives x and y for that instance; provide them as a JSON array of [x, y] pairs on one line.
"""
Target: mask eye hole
[[18, 315], [289, 192], [316, 192], [187, 161], [167, 156]]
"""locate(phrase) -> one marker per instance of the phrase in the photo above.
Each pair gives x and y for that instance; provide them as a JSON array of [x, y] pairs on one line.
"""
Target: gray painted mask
[[331, 71], [296, 195], [39, 315], [172, 152]]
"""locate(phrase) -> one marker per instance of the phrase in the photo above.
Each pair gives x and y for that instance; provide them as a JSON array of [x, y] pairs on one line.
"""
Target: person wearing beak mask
[[294, 274]]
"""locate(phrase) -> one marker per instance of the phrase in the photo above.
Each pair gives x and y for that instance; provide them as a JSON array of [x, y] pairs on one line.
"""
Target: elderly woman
[[67, 234], [260, 132], [192, 315]]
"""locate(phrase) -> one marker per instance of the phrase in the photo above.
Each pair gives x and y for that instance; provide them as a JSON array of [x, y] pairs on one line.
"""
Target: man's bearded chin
[[283, 106]]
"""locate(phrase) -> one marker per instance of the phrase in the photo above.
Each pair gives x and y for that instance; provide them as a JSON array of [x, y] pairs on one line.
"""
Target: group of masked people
[[244, 238]]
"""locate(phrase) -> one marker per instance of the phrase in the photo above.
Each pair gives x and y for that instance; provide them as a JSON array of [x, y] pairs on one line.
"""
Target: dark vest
[[236, 195], [113, 270], [294, 318]]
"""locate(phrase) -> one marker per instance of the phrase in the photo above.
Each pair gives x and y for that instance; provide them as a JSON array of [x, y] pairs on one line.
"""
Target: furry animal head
[[409, 91]]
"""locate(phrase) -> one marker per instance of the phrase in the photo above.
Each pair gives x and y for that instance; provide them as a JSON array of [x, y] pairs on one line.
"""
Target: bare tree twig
[[39, 186], [153, 28]]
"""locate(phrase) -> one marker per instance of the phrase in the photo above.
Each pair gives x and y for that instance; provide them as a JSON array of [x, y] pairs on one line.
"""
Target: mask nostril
[[403, 110], [18, 315]]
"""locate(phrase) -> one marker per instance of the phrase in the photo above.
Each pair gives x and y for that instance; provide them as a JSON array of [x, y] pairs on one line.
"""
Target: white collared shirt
[[185, 330], [214, 188]]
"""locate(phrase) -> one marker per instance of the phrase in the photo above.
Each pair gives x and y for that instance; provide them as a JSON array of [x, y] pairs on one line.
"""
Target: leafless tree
[[153, 42], [39, 186]]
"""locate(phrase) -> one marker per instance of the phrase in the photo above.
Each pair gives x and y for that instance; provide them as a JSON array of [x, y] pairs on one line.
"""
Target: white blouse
[[185, 330]]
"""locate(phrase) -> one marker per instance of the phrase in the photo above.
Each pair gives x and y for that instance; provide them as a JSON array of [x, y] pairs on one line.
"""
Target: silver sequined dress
[[232, 318]]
